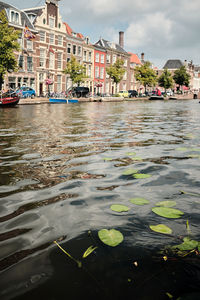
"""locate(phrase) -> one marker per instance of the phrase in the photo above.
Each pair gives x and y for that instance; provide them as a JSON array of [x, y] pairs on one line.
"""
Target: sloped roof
[[70, 32], [173, 64], [24, 18], [134, 59], [35, 10], [110, 45]]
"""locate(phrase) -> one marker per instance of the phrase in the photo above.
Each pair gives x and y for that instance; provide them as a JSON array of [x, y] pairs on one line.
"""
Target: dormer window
[[14, 17]]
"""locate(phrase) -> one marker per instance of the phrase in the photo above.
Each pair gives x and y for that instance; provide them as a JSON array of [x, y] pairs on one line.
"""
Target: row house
[[80, 47], [26, 56], [99, 69], [113, 52], [50, 47], [134, 62]]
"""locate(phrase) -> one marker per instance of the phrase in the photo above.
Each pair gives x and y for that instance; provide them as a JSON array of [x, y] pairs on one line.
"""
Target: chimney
[[142, 56], [121, 39]]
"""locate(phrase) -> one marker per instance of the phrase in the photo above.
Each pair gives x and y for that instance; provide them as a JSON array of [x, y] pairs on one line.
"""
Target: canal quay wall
[[40, 100]]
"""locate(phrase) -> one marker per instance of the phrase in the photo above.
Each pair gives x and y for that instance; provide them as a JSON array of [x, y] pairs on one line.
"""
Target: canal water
[[61, 169]]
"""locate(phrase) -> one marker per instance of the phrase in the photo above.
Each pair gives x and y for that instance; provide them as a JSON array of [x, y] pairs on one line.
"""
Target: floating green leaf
[[167, 212], [182, 149], [187, 244], [119, 207], [137, 158], [107, 158], [167, 203], [129, 172], [110, 237], [161, 228], [194, 155], [89, 251], [131, 153], [139, 201], [188, 193], [141, 176]]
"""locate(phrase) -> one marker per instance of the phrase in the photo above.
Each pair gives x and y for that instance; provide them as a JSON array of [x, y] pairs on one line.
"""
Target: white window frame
[[97, 57], [51, 38], [29, 45], [13, 18], [51, 22], [102, 73], [108, 58], [97, 72], [42, 58], [102, 59], [51, 60], [114, 58], [59, 83], [59, 60], [42, 36], [60, 40]]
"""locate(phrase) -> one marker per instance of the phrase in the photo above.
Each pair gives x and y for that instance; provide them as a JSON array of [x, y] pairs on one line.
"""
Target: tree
[[116, 71], [146, 75], [76, 71], [181, 77], [9, 44], [166, 80]]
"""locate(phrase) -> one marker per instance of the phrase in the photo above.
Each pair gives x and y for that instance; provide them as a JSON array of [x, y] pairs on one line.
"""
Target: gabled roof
[[24, 18], [110, 45], [35, 10], [134, 59], [173, 64], [70, 32]]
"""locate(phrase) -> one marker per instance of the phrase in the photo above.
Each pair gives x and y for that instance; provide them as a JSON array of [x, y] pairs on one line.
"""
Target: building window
[[68, 59], [20, 39], [29, 64], [21, 62], [60, 40], [51, 22], [29, 45], [79, 51], [89, 70], [114, 59], [102, 58], [59, 83], [97, 57], [125, 76], [90, 56], [14, 17], [42, 57], [125, 63], [102, 73], [84, 55], [68, 48], [51, 60], [108, 59], [96, 72], [51, 38], [74, 49], [59, 60], [42, 36]]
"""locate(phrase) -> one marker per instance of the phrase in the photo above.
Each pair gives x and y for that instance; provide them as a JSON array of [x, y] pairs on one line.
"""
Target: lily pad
[[182, 149], [167, 212], [129, 172], [141, 176], [187, 244], [131, 153], [110, 237], [107, 158], [161, 228], [119, 208], [137, 158], [168, 203], [139, 201]]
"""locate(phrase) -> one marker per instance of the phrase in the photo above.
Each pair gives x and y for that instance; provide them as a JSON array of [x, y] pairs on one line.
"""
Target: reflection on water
[[61, 168]]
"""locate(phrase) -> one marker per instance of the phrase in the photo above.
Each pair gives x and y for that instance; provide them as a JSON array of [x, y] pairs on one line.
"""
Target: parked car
[[124, 94], [26, 92], [132, 93], [80, 91]]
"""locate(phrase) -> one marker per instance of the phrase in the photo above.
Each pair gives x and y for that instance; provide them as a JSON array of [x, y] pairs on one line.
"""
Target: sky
[[162, 29]]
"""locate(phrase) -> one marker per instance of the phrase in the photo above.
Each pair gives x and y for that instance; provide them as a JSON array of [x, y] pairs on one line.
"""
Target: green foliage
[[129, 172], [116, 71], [146, 75], [166, 80], [167, 203], [110, 237], [167, 212], [89, 251], [139, 201], [9, 44], [119, 208], [161, 228], [141, 176], [187, 244], [181, 77], [76, 71]]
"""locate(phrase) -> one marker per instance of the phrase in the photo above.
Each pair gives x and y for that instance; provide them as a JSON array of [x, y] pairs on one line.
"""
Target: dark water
[[57, 183]]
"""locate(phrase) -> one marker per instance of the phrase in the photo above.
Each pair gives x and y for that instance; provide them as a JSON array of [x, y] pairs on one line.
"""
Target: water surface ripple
[[61, 168]]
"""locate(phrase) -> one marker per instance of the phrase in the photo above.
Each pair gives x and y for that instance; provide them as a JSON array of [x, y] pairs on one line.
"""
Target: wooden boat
[[9, 99], [155, 97], [62, 100]]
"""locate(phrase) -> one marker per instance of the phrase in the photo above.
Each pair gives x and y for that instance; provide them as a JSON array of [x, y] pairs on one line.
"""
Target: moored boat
[[9, 99], [62, 100], [155, 97]]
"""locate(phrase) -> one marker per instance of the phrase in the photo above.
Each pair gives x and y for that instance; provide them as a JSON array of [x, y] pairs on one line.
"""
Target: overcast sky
[[162, 29]]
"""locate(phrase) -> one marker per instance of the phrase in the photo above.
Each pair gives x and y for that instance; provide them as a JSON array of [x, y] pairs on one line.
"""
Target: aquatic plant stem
[[79, 263]]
